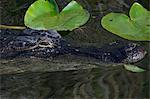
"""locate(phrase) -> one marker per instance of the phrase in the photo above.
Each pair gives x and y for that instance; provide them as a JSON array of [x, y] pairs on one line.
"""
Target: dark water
[[82, 84], [103, 83]]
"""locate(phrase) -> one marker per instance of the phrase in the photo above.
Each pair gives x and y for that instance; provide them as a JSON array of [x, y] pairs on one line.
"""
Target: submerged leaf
[[133, 68], [137, 27], [71, 17]]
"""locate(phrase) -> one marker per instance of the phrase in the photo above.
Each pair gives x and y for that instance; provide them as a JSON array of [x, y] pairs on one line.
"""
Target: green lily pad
[[133, 68], [139, 15], [137, 27], [71, 17], [38, 9]]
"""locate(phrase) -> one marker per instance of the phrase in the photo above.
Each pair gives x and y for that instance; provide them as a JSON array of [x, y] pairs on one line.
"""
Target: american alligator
[[45, 44]]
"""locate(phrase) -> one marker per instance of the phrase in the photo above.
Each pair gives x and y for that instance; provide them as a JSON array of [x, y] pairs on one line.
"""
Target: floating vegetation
[[44, 15], [136, 27]]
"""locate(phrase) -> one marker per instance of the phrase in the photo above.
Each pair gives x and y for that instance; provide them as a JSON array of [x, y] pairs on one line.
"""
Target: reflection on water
[[107, 83], [82, 84]]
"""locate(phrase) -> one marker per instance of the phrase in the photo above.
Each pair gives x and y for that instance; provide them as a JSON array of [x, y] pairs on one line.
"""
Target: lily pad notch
[[45, 15], [135, 27]]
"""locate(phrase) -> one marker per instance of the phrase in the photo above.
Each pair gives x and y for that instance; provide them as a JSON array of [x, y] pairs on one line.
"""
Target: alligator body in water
[[44, 44]]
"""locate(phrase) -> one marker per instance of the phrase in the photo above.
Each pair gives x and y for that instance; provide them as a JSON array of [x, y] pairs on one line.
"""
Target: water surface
[[99, 83]]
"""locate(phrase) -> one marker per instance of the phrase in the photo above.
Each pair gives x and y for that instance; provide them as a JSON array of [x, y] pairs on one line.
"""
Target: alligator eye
[[44, 43]]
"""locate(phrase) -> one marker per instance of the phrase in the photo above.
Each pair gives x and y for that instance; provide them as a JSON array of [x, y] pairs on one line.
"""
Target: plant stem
[[12, 27]]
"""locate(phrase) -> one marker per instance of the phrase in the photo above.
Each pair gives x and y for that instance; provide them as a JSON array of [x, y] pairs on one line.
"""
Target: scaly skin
[[49, 44]]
